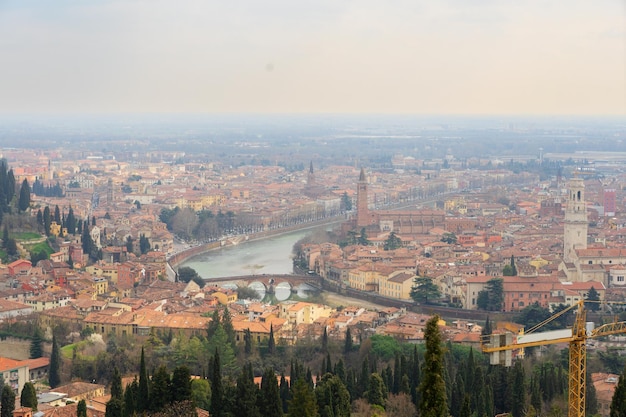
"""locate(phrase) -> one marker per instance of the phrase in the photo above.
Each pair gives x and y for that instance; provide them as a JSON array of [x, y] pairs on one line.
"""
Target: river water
[[272, 255]]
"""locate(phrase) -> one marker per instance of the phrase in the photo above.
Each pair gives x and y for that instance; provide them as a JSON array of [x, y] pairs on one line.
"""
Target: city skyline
[[487, 57]]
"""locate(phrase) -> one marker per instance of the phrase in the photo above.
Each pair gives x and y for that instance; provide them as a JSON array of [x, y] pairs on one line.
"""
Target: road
[[335, 300]]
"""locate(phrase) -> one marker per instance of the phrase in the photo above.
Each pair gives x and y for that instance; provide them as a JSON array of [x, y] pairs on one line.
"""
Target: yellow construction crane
[[500, 347]]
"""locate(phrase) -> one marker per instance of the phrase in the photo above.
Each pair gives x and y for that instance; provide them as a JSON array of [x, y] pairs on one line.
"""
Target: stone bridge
[[270, 282]]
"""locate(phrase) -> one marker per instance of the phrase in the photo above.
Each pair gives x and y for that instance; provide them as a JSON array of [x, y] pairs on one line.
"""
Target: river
[[273, 255]]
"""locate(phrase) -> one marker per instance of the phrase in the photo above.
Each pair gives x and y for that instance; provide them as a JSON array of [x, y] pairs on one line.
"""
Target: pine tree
[[54, 374], [143, 389], [36, 349], [433, 388], [7, 402], [28, 398], [303, 402], [227, 324], [81, 409], [213, 324], [24, 201]]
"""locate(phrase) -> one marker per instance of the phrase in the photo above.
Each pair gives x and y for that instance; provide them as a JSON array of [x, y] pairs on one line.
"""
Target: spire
[[362, 175]]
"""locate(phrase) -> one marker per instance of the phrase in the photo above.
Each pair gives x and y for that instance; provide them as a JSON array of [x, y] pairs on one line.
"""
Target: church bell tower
[[362, 210], [576, 223]]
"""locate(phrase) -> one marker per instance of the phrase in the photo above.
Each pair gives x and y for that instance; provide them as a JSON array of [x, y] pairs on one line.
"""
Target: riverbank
[[176, 259]]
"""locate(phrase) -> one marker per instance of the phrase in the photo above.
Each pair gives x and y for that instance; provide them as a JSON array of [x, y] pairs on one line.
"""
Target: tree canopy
[[424, 290]]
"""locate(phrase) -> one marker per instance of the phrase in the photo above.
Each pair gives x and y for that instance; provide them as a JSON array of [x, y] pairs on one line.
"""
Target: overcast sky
[[301, 56]]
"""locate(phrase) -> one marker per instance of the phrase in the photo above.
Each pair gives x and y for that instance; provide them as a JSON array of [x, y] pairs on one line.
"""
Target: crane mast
[[500, 347]]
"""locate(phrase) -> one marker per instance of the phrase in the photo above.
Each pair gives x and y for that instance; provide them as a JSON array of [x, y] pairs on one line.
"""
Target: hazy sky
[[386, 56]]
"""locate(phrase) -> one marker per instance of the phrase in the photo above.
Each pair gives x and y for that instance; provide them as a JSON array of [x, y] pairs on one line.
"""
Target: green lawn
[[41, 246], [68, 351], [21, 236]]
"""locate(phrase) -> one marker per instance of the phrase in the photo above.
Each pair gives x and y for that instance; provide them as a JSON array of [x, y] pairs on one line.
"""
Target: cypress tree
[[376, 393], [10, 188], [302, 403], [397, 374], [24, 201], [130, 398], [591, 401], [340, 370], [284, 392], [116, 385], [114, 408], [28, 398], [57, 215], [5, 236], [46, 220], [217, 390], [535, 394], [143, 389], [247, 394], [518, 398], [618, 402], [7, 402], [181, 384], [271, 344], [333, 399], [329, 365], [433, 388], [81, 409], [247, 339], [325, 340], [348, 346], [54, 375], [270, 404], [160, 394]]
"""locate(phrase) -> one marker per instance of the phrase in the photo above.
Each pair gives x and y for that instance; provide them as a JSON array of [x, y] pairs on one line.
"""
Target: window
[[620, 278], [590, 262], [521, 304]]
